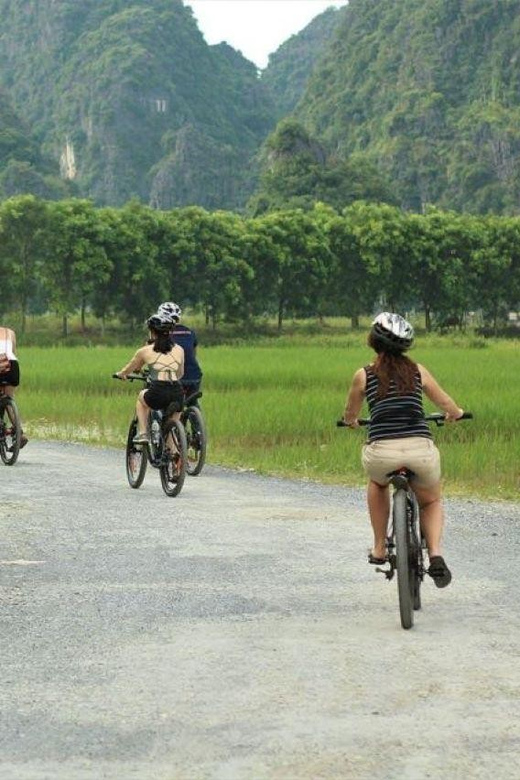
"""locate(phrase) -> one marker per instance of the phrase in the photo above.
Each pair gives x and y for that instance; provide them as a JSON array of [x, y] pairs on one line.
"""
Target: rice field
[[272, 407]]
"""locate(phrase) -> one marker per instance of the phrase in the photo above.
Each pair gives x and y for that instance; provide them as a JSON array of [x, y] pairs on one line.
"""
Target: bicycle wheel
[[173, 470], [196, 440], [10, 431], [402, 551], [416, 561], [136, 458]]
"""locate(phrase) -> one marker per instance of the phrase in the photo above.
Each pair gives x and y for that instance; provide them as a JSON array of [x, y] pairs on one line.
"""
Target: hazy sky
[[255, 27]]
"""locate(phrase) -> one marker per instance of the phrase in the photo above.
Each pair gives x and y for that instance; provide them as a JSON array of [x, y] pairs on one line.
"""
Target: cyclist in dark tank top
[[393, 386], [187, 339]]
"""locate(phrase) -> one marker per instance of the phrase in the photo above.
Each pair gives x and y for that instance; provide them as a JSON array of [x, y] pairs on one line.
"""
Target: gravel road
[[236, 633]]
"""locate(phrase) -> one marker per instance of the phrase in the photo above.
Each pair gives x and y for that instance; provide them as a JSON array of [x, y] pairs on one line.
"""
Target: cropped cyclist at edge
[[399, 436], [9, 367], [165, 364], [187, 339]]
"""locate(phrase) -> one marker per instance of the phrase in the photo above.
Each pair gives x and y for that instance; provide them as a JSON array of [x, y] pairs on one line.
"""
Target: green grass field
[[272, 406]]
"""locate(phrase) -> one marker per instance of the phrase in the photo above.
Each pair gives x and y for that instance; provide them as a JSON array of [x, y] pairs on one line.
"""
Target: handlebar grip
[[343, 424], [115, 376], [466, 416]]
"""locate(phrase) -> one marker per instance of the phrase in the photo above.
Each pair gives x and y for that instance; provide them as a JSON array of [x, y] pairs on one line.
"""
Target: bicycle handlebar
[[437, 417], [131, 377]]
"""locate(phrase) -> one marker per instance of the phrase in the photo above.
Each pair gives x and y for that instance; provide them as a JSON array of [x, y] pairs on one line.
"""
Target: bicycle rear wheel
[[136, 458], [416, 559], [10, 431], [173, 470], [403, 559], [196, 440]]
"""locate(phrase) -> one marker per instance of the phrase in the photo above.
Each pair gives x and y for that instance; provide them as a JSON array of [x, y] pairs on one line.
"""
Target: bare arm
[[135, 364], [438, 396], [355, 398]]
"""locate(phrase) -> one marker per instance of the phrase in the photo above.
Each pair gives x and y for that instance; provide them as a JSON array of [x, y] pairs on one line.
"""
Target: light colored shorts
[[416, 453]]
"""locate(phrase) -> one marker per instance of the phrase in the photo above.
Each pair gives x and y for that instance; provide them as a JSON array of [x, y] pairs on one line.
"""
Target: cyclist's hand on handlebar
[[120, 375], [454, 417], [351, 424]]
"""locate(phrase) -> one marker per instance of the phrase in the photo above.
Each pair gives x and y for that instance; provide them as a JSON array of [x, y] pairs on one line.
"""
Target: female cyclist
[[165, 365], [399, 436], [9, 368], [187, 339]]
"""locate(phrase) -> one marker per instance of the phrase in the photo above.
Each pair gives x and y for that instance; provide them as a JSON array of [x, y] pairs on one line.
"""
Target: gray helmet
[[170, 309], [393, 331]]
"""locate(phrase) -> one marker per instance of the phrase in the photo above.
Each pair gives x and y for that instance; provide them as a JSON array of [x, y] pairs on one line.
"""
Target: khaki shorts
[[417, 453]]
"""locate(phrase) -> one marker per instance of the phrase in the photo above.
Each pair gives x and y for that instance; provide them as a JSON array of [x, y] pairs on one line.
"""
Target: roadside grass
[[272, 405]]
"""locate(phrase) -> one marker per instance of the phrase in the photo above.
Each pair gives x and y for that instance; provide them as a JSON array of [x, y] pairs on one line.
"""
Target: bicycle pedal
[[389, 573]]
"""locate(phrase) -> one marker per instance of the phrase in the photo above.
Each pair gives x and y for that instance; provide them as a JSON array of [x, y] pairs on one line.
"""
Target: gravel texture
[[237, 633]]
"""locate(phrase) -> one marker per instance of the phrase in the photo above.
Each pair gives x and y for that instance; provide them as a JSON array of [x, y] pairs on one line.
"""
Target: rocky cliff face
[[131, 101]]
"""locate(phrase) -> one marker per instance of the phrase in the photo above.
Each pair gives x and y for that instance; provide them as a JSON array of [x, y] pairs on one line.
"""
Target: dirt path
[[236, 632]]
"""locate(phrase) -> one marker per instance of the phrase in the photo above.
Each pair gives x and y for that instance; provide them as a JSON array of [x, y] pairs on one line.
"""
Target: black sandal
[[439, 572], [376, 561]]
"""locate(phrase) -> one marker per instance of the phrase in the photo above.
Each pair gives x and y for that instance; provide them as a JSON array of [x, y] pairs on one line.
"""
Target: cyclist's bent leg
[[378, 497], [142, 411], [432, 516]]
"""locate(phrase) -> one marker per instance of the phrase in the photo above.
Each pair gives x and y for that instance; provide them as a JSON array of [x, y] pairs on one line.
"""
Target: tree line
[[69, 256]]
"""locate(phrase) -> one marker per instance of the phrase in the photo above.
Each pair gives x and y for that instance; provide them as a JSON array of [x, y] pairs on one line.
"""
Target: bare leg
[[378, 497], [432, 517], [142, 410]]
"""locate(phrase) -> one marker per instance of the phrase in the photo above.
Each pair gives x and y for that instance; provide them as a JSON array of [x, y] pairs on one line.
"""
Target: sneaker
[[141, 438], [439, 572]]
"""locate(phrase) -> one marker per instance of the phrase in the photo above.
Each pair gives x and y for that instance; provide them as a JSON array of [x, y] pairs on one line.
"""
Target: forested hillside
[[22, 167], [291, 65], [429, 92], [130, 99], [401, 101]]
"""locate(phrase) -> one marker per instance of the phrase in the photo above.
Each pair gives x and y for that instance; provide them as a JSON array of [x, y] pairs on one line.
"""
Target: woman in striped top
[[393, 386]]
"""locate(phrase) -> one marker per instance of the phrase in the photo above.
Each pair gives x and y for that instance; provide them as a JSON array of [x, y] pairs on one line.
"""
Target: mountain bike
[[196, 436], [404, 540], [166, 451], [10, 429]]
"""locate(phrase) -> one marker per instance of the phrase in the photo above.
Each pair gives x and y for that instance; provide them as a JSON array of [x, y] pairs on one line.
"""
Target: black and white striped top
[[395, 416]]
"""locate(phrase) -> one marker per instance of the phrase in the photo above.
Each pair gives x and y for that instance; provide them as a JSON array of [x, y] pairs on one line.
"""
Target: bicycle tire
[[10, 431], [415, 550], [402, 551], [173, 471], [136, 458], [196, 440]]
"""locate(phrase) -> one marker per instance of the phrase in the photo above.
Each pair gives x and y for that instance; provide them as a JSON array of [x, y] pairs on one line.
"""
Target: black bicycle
[[166, 450], [404, 541], [10, 429], [196, 434]]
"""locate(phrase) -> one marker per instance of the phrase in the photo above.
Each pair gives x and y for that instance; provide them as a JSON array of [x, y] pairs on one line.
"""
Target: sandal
[[376, 561], [439, 572]]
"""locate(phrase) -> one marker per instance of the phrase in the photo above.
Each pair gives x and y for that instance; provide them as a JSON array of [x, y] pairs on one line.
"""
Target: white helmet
[[160, 322], [171, 309], [393, 330]]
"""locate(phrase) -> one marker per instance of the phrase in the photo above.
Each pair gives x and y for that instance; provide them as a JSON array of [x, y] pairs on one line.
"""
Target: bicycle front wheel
[[136, 458], [403, 558], [173, 470], [10, 431], [196, 440]]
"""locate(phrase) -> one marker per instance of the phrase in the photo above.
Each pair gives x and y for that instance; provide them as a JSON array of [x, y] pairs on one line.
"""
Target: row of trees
[[68, 255]]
